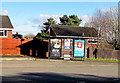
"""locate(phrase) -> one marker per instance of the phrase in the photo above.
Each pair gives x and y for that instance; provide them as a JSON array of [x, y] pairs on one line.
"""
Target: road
[[58, 71]]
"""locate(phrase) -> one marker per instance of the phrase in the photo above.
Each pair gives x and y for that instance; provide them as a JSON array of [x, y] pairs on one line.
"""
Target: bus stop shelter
[[66, 47]]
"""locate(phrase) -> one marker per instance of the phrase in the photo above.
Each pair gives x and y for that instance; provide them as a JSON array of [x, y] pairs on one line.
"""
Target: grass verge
[[102, 59]]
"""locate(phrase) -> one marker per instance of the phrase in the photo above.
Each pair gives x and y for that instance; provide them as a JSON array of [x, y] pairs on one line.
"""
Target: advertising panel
[[67, 44], [79, 48], [55, 47]]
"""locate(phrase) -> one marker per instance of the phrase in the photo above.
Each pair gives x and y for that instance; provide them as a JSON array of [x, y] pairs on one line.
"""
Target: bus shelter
[[66, 47]]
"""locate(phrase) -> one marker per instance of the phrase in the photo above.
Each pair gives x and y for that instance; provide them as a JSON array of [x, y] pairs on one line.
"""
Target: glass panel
[[1, 33], [55, 48], [79, 48]]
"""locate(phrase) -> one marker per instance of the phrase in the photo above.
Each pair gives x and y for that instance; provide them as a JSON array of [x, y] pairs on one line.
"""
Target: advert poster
[[55, 47], [67, 44], [78, 48]]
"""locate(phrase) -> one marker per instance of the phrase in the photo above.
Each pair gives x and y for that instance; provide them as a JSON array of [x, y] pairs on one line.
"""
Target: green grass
[[102, 59]]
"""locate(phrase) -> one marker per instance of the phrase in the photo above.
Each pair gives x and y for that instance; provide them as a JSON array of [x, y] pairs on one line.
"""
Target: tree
[[106, 22], [64, 20], [72, 20], [29, 36], [40, 36], [49, 22]]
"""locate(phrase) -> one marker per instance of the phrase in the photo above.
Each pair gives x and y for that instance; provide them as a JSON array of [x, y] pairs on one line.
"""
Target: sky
[[28, 17]]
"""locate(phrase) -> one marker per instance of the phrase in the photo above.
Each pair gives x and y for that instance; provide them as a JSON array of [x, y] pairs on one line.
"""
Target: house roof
[[5, 22], [17, 35], [63, 30]]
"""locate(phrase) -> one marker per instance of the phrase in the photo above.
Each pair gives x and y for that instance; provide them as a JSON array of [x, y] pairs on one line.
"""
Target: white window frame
[[4, 33], [5, 29], [91, 41]]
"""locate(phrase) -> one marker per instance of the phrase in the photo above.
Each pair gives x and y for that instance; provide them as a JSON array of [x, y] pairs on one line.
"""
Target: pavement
[[16, 57], [38, 70], [22, 58]]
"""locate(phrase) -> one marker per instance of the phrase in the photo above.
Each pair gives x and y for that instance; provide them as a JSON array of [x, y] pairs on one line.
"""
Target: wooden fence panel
[[8, 46], [104, 53]]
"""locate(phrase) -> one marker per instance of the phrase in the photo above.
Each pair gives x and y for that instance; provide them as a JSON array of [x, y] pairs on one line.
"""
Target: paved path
[[57, 71]]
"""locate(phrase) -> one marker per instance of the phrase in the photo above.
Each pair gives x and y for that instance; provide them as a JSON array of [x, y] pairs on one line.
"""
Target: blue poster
[[79, 48]]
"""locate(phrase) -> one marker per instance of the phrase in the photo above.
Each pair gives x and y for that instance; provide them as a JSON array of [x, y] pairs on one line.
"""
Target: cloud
[[36, 20], [4, 12], [42, 18], [36, 25], [15, 24], [29, 22], [85, 18], [26, 29]]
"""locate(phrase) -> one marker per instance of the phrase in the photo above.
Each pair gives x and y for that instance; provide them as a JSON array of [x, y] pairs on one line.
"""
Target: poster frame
[[74, 49], [60, 49]]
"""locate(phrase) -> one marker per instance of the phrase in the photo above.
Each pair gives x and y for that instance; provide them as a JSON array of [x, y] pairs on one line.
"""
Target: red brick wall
[[9, 33], [88, 45], [8, 46]]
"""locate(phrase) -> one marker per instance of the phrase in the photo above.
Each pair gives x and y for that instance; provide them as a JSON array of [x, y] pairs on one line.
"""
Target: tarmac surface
[[58, 71]]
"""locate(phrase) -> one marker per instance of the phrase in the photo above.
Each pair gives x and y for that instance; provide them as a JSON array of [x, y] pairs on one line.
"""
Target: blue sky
[[27, 16]]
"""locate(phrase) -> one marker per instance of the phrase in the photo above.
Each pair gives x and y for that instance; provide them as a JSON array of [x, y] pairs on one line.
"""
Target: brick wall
[[9, 33], [8, 46], [87, 46]]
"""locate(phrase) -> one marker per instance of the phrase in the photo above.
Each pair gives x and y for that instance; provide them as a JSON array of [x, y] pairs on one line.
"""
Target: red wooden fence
[[8, 46]]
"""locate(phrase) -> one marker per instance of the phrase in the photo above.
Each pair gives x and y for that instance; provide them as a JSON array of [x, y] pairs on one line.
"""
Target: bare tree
[[119, 22], [106, 22], [29, 36]]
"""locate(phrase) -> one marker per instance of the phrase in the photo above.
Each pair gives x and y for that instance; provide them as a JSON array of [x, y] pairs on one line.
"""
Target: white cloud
[[15, 24], [4, 12], [36, 25], [44, 17], [26, 29], [85, 18], [29, 22]]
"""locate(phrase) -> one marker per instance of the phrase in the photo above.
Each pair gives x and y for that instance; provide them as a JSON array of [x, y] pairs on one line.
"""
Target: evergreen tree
[[71, 20], [49, 22]]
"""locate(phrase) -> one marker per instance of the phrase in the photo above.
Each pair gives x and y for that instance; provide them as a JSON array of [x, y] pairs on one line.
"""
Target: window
[[92, 41], [3, 33]]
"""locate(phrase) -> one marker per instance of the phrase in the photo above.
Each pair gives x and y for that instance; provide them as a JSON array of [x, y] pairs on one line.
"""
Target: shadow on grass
[[57, 78]]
